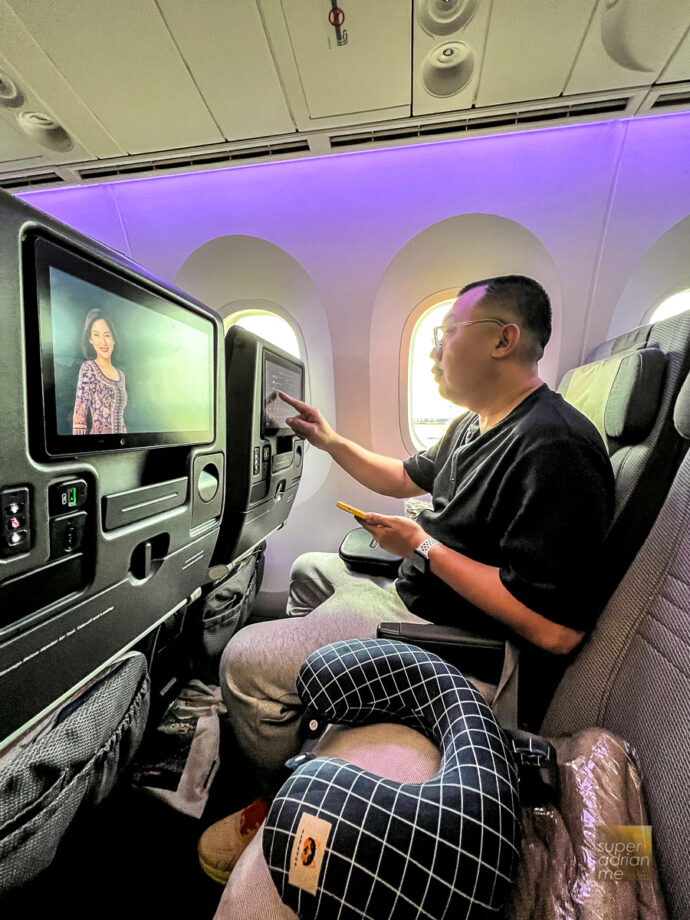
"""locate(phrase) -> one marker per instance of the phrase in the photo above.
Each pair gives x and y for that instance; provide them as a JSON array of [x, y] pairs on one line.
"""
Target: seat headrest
[[619, 394], [681, 411], [341, 841]]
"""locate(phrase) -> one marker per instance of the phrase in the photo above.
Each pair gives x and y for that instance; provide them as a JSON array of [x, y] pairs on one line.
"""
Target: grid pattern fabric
[[446, 848]]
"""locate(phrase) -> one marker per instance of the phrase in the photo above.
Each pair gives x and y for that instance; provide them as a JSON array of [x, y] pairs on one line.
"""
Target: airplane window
[[671, 306], [428, 413], [270, 326]]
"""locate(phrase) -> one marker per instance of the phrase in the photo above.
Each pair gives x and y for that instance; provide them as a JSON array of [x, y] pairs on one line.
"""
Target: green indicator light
[[72, 496]]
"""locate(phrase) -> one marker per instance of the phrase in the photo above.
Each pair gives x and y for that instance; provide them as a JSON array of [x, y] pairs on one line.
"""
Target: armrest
[[481, 656]]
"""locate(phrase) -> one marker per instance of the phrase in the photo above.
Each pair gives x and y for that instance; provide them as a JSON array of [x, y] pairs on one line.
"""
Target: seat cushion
[[620, 394]]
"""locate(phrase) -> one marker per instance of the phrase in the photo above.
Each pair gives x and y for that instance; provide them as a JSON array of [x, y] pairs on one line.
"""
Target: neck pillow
[[341, 842]]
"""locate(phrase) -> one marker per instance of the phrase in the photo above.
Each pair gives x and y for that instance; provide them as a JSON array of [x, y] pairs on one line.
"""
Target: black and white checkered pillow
[[341, 842]]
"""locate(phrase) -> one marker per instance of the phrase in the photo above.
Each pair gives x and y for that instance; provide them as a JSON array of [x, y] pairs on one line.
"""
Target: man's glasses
[[439, 332]]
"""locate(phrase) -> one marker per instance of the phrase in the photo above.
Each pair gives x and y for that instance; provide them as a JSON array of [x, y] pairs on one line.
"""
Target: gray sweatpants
[[258, 671]]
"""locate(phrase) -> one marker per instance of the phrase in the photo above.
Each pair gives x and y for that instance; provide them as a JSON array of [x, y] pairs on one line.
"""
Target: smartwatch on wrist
[[420, 557]]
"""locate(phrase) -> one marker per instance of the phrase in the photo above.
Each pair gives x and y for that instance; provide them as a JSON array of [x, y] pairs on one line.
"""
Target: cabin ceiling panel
[[531, 48], [120, 58], [361, 66], [226, 49], [43, 88], [448, 52], [678, 68], [13, 145], [628, 43], [354, 73]]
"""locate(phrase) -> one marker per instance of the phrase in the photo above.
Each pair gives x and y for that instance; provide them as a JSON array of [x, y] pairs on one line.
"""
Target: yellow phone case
[[350, 510]]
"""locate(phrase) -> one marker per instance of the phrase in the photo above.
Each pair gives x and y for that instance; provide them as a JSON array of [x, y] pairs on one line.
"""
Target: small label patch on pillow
[[308, 851]]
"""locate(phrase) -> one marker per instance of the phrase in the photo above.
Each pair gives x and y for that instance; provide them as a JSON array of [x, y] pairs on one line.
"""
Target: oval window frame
[[649, 314], [237, 309], [412, 444]]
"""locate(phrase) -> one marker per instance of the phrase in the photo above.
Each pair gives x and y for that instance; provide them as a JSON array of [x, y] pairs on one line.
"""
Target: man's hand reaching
[[397, 535], [384, 475], [310, 424]]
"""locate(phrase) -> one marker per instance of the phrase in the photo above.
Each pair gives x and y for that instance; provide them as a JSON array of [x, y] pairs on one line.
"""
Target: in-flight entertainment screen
[[280, 375], [122, 367]]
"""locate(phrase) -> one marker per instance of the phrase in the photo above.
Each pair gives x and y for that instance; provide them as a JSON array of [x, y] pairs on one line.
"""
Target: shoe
[[222, 844]]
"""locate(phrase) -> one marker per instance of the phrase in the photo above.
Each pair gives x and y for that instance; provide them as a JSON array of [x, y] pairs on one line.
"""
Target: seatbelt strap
[[505, 701]]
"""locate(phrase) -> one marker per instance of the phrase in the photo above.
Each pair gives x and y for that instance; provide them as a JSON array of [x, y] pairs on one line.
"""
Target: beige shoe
[[222, 844]]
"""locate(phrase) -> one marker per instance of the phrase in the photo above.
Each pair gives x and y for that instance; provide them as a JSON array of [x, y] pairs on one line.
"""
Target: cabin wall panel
[[96, 216], [662, 271], [651, 194]]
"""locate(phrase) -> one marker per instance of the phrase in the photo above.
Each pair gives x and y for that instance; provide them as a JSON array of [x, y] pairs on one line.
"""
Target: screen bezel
[[43, 254], [290, 364]]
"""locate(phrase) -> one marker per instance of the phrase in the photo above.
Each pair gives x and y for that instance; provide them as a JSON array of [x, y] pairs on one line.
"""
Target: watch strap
[[425, 546]]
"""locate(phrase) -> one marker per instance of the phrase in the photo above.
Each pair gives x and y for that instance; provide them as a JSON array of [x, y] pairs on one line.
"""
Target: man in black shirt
[[522, 489], [522, 498]]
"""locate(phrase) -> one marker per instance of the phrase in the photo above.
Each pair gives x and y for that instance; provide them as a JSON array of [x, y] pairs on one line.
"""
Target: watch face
[[421, 563]]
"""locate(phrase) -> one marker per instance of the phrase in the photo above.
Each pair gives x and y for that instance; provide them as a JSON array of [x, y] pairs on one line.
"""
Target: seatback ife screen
[[122, 367], [280, 376]]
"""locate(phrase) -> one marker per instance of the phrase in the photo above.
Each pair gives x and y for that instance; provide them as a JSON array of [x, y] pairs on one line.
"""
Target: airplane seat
[[633, 676], [632, 681], [265, 457], [111, 493], [263, 471], [627, 387]]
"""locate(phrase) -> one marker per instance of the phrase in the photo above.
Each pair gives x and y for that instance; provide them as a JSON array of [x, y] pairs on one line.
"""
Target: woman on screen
[[101, 393]]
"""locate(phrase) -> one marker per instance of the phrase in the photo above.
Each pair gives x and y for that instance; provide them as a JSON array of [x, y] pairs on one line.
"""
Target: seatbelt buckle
[[537, 767]]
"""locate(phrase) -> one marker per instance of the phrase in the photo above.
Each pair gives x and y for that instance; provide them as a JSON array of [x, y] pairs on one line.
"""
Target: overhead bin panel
[[120, 58], [530, 50], [351, 57], [678, 68], [226, 49], [449, 38], [628, 43]]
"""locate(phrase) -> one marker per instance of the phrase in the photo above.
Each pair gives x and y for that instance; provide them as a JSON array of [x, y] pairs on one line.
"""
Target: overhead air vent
[[167, 165], [666, 100], [475, 121], [27, 182]]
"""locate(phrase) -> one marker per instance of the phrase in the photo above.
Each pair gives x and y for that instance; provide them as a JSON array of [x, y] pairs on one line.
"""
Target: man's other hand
[[397, 535], [310, 424]]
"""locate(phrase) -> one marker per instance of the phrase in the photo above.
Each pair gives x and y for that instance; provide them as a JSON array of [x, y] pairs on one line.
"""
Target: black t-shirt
[[532, 496]]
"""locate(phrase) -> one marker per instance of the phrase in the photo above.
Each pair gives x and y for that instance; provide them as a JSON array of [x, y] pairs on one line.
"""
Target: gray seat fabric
[[633, 676], [71, 760]]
